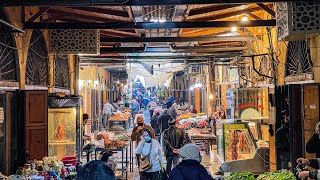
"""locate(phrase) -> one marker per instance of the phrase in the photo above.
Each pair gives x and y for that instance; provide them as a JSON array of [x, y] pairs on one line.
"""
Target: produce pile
[[277, 175], [188, 125], [123, 138], [115, 145], [117, 128], [119, 117], [241, 176]]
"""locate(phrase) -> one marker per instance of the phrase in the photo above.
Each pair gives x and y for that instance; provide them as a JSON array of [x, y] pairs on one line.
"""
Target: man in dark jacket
[[282, 140], [174, 139], [163, 121], [190, 167], [313, 145], [155, 123], [313, 174], [168, 103]]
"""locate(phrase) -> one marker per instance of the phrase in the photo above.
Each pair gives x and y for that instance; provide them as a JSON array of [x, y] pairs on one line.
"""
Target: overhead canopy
[[162, 72]]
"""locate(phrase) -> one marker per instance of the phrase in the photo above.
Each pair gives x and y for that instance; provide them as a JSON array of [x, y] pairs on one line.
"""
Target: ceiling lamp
[[244, 18], [234, 29]]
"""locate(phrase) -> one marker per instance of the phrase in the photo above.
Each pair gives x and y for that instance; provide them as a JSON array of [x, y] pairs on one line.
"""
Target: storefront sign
[[1, 115]]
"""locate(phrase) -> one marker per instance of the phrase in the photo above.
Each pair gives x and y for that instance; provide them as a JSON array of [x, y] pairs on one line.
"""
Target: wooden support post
[[71, 64], [51, 73], [197, 99]]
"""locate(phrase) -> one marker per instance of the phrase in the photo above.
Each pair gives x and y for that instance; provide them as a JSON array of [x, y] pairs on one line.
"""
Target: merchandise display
[[61, 132]]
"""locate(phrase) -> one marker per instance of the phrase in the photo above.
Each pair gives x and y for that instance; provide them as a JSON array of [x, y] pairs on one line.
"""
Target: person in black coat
[[190, 167], [282, 140], [155, 123], [163, 120], [313, 145]]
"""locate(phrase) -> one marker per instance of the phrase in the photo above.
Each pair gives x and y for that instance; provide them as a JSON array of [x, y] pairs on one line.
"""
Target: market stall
[[196, 128], [119, 121]]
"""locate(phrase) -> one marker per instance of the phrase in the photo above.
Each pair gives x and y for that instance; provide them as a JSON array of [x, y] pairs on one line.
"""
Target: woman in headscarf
[[190, 167]]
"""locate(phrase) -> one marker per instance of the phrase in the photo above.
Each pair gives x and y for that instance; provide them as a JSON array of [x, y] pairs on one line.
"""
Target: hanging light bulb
[[244, 18], [234, 29]]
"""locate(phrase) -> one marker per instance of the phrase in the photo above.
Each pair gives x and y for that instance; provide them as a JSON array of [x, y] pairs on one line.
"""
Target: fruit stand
[[119, 122], [196, 128]]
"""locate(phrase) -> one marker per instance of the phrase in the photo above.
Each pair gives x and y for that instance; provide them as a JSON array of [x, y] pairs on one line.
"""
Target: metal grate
[[8, 55], [298, 58], [37, 61], [61, 72]]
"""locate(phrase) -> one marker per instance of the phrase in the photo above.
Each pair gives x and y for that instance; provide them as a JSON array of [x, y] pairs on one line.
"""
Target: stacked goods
[[120, 117], [117, 128], [201, 114], [184, 116], [115, 145], [203, 124]]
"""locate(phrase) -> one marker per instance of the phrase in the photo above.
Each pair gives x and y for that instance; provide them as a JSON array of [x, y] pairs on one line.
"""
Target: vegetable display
[[123, 138], [277, 175], [241, 176]]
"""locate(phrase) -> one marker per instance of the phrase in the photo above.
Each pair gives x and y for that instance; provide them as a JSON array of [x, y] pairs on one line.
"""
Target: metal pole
[[12, 26]]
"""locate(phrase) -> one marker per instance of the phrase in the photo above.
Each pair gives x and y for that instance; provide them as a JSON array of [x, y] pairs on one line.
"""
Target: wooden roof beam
[[38, 14], [227, 15], [267, 9], [57, 15], [253, 16], [212, 9], [91, 14], [103, 11], [143, 25], [125, 33]]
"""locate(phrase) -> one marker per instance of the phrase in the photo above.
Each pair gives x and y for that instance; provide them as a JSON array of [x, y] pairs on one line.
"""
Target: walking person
[[152, 106], [174, 139], [145, 102], [155, 123], [282, 140], [173, 111], [313, 145], [163, 121], [135, 108], [137, 133], [190, 167], [151, 156], [107, 111]]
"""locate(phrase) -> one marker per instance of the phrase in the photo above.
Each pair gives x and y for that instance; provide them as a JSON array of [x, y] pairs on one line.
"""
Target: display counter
[[237, 147], [63, 127]]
